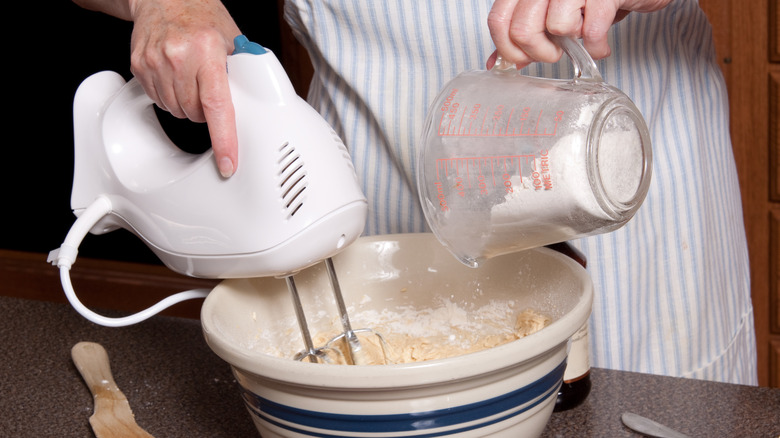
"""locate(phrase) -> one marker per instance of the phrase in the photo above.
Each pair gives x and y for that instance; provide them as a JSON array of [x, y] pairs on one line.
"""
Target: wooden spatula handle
[[92, 362], [113, 417]]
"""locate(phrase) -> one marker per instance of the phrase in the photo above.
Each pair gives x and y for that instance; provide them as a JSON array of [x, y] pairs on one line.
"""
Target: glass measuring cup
[[511, 162]]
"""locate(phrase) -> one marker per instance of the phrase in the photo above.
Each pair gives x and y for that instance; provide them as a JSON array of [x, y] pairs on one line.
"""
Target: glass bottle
[[576, 378]]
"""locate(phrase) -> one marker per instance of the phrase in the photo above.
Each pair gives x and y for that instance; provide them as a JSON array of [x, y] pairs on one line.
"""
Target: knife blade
[[649, 427]]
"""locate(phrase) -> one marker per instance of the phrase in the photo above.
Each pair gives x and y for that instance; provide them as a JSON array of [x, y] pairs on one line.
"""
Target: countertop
[[177, 387]]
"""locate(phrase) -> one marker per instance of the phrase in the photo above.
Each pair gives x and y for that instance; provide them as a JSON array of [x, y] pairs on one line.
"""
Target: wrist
[[133, 7]]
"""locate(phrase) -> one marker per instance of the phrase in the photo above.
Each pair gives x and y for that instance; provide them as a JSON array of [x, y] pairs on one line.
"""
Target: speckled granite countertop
[[178, 388]]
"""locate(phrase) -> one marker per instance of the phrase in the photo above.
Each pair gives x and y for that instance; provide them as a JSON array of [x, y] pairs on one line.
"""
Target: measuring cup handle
[[584, 66], [503, 65]]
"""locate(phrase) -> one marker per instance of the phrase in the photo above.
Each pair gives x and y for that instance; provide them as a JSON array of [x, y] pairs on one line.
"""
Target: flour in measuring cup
[[622, 167], [533, 216], [570, 189]]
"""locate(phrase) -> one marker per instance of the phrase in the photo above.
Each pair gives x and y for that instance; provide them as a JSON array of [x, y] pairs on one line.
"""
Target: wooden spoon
[[112, 416]]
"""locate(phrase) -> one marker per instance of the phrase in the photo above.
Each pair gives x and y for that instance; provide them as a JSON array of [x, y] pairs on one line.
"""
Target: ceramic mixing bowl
[[508, 390]]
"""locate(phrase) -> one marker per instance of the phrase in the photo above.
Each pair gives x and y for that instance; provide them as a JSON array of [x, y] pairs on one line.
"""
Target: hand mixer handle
[[130, 122], [141, 156]]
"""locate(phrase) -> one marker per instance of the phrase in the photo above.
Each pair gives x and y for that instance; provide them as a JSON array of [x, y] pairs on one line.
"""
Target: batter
[[448, 340]]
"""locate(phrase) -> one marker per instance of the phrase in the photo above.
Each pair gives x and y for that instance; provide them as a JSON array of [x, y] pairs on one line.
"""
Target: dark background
[[62, 44]]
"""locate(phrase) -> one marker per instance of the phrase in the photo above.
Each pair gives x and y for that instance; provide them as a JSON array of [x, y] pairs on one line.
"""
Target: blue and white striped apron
[[672, 286]]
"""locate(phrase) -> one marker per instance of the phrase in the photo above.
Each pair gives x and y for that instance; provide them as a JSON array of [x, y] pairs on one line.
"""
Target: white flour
[[568, 208], [622, 164], [619, 163]]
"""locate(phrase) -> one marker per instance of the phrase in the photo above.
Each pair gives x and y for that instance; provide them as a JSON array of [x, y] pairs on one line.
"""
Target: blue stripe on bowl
[[512, 404]]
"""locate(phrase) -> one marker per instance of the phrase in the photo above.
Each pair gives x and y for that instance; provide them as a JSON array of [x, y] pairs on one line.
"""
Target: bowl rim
[[408, 374]]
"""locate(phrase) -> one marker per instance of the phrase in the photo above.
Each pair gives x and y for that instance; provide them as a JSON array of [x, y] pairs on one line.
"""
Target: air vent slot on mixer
[[343, 148], [292, 178]]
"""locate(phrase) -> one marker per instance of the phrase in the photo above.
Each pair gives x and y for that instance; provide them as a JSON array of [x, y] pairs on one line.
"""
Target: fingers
[[491, 61], [201, 94], [598, 18], [177, 85], [589, 20], [565, 17], [168, 72], [519, 31], [219, 115], [520, 28], [190, 81]]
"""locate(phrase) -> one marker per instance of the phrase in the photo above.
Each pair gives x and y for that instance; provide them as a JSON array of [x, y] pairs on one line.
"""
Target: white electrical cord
[[64, 257]]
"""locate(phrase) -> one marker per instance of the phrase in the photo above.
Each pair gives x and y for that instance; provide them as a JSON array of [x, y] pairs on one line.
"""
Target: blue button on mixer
[[243, 45]]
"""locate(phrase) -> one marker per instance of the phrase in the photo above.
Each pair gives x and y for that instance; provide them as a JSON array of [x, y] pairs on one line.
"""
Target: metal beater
[[354, 353]]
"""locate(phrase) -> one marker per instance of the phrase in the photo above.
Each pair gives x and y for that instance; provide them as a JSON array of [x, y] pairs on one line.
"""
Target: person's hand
[[179, 51], [520, 28]]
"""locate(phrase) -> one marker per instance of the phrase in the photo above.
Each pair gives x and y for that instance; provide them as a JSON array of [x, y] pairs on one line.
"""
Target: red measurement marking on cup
[[470, 172], [482, 121], [462, 177]]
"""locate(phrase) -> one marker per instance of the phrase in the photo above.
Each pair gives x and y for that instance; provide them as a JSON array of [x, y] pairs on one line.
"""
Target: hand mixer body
[[293, 201]]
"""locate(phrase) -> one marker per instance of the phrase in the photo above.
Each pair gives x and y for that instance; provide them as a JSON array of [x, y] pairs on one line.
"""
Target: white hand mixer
[[293, 201]]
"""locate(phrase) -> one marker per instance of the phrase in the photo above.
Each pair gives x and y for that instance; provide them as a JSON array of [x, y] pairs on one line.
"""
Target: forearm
[[116, 8]]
